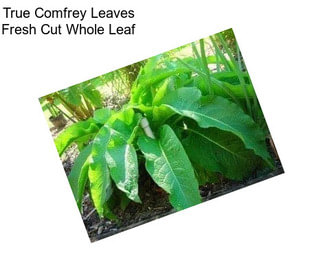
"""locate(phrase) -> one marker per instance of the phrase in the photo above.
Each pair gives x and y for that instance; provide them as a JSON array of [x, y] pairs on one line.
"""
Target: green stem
[[70, 108], [63, 113], [51, 111], [241, 79], [214, 80], [205, 67], [220, 54]]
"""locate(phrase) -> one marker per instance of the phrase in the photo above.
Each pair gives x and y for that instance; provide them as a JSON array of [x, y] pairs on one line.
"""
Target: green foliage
[[189, 122], [79, 100], [78, 175], [225, 153], [121, 154], [102, 115], [81, 131], [220, 113], [99, 174], [170, 167]]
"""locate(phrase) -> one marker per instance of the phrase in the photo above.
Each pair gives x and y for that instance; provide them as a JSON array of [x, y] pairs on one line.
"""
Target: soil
[[59, 121], [155, 205]]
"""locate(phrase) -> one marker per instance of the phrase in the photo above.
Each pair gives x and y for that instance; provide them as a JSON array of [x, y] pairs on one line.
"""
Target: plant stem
[[220, 54], [241, 79], [63, 113], [70, 108], [88, 105], [205, 67], [214, 80]]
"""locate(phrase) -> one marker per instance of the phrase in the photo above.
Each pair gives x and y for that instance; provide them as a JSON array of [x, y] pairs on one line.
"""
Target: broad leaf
[[121, 156], [99, 175], [170, 168], [123, 164], [76, 132], [220, 113], [79, 174], [102, 115], [220, 151]]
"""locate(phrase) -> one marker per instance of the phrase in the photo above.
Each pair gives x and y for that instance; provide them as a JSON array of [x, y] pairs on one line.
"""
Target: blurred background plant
[[78, 102]]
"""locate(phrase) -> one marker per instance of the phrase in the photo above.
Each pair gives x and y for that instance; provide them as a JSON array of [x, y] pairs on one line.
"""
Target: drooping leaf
[[220, 151], [99, 175], [79, 174], [121, 156], [123, 164], [76, 132], [169, 166], [220, 113]]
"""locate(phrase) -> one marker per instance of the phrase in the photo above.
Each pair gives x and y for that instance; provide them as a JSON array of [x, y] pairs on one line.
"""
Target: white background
[[273, 225]]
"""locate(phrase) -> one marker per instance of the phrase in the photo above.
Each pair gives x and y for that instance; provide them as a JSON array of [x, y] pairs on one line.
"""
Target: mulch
[[155, 205]]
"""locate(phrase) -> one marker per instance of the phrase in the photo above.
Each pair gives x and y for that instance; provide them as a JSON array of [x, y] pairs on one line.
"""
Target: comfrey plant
[[188, 123]]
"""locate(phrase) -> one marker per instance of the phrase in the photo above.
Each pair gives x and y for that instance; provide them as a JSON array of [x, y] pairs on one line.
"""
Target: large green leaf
[[220, 113], [79, 174], [220, 151], [170, 168], [102, 115], [99, 175], [76, 132], [123, 164], [121, 156]]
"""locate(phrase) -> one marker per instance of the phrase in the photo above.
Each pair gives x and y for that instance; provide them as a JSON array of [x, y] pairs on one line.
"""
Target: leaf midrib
[[171, 169], [216, 143], [216, 120]]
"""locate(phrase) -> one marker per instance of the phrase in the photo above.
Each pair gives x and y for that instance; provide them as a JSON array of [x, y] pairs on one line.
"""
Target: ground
[[155, 205]]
